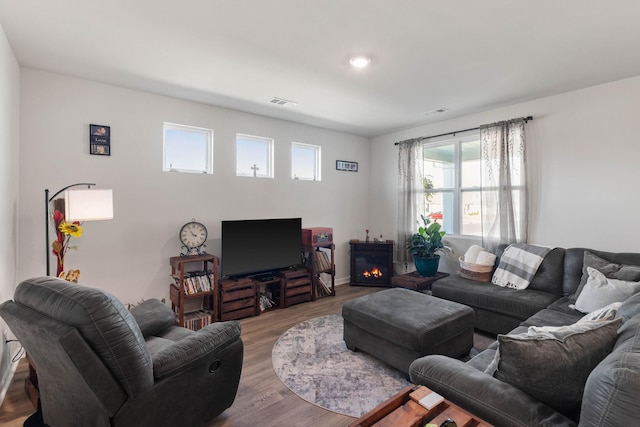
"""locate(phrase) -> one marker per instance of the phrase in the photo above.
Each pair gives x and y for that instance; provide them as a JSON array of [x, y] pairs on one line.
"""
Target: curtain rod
[[422, 138]]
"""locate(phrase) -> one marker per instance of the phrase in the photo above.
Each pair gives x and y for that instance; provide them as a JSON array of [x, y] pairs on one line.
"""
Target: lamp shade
[[88, 205]]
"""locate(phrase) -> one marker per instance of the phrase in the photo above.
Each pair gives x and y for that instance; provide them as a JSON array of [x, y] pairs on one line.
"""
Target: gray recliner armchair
[[100, 364]]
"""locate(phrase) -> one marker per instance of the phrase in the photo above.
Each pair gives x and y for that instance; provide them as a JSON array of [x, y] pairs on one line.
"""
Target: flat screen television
[[260, 245]]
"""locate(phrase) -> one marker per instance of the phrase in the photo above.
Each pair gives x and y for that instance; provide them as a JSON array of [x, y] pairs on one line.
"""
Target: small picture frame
[[344, 165], [100, 140]]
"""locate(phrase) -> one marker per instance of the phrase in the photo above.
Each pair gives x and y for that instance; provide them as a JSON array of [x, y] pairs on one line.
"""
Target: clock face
[[193, 234]]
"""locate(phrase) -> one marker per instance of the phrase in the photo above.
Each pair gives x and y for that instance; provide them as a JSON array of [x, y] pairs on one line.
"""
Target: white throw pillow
[[599, 291]]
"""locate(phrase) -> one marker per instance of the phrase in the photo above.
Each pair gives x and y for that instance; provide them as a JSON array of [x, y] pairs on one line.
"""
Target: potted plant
[[423, 246]]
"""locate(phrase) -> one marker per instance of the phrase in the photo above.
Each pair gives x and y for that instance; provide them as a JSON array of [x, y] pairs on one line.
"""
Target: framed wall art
[[344, 165], [100, 140]]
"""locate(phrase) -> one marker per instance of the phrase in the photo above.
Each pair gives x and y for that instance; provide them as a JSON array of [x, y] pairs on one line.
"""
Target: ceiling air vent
[[432, 112], [282, 102]]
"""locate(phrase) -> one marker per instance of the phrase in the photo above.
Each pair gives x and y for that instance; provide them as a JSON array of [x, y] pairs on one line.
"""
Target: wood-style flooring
[[262, 399]]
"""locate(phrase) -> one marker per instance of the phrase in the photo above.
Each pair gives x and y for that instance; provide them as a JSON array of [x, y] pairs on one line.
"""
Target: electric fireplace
[[371, 263]]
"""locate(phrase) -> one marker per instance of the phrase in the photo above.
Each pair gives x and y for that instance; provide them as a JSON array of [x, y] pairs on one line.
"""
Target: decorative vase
[[427, 266]]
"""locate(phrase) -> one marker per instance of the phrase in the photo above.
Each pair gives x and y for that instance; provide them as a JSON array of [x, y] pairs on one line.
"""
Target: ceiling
[[463, 55]]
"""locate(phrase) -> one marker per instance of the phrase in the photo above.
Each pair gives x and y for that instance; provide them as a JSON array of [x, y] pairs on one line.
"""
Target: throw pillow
[[611, 270], [552, 363], [605, 313], [599, 291]]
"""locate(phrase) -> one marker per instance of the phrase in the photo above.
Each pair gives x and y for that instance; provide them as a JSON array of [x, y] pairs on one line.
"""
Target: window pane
[[253, 156], [471, 213], [439, 165], [470, 167], [305, 162], [439, 208], [187, 149], [452, 182]]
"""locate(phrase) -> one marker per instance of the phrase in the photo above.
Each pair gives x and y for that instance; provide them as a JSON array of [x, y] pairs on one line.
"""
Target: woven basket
[[477, 272]]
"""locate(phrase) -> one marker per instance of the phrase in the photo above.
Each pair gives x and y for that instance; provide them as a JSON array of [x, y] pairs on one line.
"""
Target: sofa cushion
[[562, 305], [511, 302], [629, 308], [548, 278], [574, 266], [600, 291], [612, 389], [611, 270], [535, 361], [550, 317]]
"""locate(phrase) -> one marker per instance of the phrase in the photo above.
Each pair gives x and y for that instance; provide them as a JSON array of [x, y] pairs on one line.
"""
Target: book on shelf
[[321, 260], [266, 302], [197, 319], [195, 282], [324, 283], [192, 285]]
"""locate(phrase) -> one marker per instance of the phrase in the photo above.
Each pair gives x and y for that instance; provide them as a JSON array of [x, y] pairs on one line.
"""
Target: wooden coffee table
[[401, 411]]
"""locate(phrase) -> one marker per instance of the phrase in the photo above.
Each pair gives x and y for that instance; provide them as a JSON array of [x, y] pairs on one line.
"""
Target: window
[[305, 162], [254, 156], [452, 185], [187, 149]]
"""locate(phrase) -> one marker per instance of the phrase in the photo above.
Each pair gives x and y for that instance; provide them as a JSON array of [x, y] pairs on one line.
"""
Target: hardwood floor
[[262, 399]]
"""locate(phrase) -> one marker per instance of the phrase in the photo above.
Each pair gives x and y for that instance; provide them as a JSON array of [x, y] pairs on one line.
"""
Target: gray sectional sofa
[[611, 394]]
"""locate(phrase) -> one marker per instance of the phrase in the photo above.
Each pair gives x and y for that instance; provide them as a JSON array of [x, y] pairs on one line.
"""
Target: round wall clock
[[193, 235]]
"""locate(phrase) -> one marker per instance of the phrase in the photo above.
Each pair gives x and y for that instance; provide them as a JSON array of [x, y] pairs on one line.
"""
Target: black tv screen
[[259, 245]]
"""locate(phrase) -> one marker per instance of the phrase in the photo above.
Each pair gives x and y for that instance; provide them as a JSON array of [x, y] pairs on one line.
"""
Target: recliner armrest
[[152, 316], [494, 401], [190, 350]]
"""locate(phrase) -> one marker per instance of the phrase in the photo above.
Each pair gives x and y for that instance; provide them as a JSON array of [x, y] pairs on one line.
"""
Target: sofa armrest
[[152, 316], [494, 401], [189, 351]]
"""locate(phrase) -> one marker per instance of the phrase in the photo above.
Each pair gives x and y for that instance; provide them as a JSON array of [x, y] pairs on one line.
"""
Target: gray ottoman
[[398, 326]]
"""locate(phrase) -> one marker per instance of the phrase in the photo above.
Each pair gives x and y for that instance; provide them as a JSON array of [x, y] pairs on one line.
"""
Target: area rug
[[311, 359]]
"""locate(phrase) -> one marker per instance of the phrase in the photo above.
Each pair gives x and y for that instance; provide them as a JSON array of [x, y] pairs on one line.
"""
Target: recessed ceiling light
[[359, 61]]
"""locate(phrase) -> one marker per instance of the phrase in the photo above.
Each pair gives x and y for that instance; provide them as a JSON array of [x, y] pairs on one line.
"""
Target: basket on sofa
[[480, 273]]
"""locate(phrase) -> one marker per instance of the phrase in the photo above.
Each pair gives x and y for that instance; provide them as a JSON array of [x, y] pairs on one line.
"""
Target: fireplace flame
[[375, 273]]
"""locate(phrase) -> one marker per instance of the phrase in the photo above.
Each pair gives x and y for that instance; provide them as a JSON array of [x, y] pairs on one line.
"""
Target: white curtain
[[504, 186], [410, 194]]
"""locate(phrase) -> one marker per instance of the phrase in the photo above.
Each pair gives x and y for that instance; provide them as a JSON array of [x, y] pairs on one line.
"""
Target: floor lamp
[[79, 205]]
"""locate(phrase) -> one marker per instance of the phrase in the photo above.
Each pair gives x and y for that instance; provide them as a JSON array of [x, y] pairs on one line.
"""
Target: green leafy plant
[[427, 241]]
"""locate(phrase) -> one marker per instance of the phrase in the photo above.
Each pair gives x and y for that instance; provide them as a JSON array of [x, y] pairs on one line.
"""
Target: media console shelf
[[238, 299], [295, 287], [321, 261], [194, 293]]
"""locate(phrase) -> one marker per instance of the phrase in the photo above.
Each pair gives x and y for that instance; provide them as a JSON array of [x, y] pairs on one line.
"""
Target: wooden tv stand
[[240, 298]]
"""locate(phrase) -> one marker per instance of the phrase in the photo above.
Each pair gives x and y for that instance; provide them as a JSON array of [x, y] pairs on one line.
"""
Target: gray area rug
[[312, 360]]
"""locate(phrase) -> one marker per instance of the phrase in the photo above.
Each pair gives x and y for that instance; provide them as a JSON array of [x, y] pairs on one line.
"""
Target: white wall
[[9, 149], [129, 256], [582, 155], [583, 149]]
